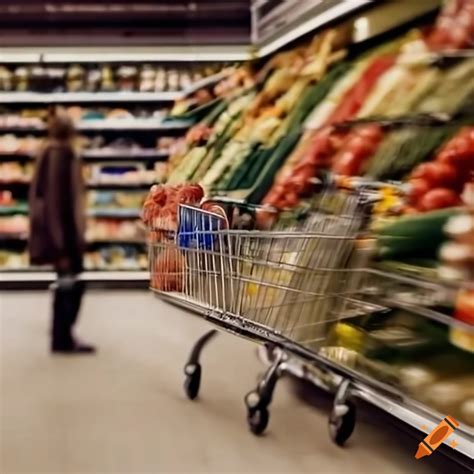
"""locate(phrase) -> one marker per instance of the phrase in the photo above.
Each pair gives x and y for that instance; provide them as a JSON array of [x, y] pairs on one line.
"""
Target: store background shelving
[[139, 152]]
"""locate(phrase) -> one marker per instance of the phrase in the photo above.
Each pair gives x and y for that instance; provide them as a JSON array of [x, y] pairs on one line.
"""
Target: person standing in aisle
[[57, 226]]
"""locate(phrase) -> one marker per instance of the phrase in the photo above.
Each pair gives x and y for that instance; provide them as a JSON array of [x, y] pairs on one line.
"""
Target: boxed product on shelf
[[14, 225], [14, 172], [12, 121], [115, 230], [119, 149], [12, 144], [116, 199], [114, 257], [101, 77], [120, 173], [13, 260]]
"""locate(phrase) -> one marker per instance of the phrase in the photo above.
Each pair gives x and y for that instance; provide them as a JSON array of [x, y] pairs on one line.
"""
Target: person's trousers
[[68, 293]]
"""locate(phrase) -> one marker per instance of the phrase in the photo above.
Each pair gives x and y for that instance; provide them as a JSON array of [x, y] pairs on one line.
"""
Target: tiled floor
[[123, 411]]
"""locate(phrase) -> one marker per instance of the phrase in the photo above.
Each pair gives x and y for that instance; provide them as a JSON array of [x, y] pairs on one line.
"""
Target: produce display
[[310, 110], [401, 111], [253, 128], [438, 183]]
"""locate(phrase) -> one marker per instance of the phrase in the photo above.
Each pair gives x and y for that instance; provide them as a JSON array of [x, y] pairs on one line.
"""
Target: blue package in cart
[[199, 228]]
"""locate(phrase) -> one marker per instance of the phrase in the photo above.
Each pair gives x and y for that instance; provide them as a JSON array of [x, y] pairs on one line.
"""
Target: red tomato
[[290, 200], [347, 164], [461, 143], [418, 188], [436, 173], [458, 160], [373, 133], [470, 132], [447, 175], [358, 145], [438, 198]]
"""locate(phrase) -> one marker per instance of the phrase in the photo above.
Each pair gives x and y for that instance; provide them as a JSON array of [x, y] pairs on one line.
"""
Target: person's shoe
[[73, 348]]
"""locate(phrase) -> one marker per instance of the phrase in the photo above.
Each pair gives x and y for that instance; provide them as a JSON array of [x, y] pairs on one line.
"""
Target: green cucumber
[[314, 95], [243, 169], [426, 224], [250, 178], [238, 163], [414, 236], [265, 179]]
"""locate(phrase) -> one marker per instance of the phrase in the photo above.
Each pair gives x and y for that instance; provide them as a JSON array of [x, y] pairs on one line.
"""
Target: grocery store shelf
[[101, 155], [108, 97], [114, 213], [11, 210], [133, 124], [112, 241], [120, 186], [14, 184], [14, 236], [124, 155], [416, 416], [119, 125], [90, 97], [16, 129], [12, 156], [31, 278], [124, 53]]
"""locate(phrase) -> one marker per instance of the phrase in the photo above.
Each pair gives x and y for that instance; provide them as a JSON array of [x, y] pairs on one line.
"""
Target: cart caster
[[257, 401], [192, 369], [257, 419], [342, 422], [192, 382]]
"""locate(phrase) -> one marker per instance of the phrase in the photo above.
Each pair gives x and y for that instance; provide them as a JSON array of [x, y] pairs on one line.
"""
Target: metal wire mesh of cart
[[289, 281]]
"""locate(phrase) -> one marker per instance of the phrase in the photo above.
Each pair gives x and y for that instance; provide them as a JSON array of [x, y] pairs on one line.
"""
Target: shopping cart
[[294, 288], [274, 286]]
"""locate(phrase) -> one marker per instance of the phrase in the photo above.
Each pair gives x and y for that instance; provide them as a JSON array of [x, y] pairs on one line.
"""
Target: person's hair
[[60, 125]]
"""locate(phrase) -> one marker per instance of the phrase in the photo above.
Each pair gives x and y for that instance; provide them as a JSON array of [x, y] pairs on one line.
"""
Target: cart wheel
[[342, 426], [192, 382], [257, 419]]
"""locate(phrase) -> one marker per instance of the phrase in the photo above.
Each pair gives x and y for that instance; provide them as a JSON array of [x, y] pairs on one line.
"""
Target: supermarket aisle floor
[[123, 411]]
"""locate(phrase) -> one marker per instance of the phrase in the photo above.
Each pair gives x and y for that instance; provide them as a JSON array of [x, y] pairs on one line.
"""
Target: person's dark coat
[[56, 201]]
